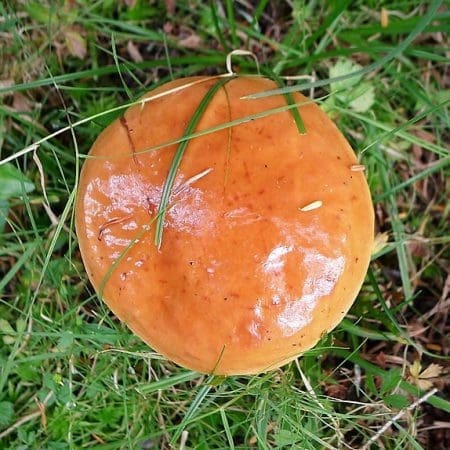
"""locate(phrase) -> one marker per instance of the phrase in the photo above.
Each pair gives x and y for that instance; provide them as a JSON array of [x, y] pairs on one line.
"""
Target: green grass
[[72, 376]]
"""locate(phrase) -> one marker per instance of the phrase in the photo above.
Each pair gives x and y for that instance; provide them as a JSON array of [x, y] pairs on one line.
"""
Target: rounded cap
[[267, 236]]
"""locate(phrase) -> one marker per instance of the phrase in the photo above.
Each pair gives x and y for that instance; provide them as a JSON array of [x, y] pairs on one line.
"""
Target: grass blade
[[216, 24], [195, 405], [226, 427], [232, 23], [425, 20], [435, 401], [168, 382], [167, 189], [290, 101]]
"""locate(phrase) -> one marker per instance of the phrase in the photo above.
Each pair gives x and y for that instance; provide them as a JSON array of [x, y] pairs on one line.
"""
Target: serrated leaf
[[344, 67], [13, 182], [365, 100], [432, 371], [285, 437], [5, 327], [48, 381], [28, 372], [380, 242], [6, 413], [425, 385], [21, 325], [76, 44], [415, 369], [8, 340], [65, 341], [38, 11], [63, 393], [396, 401], [94, 389], [421, 378], [359, 96]]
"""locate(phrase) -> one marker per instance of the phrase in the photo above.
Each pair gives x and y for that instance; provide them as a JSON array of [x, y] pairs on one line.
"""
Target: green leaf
[[390, 380], [108, 415], [190, 413], [209, 21], [394, 53], [285, 437], [13, 182], [64, 394], [141, 10], [397, 401], [363, 97], [65, 341], [359, 96], [344, 67], [48, 381], [21, 325], [6, 413], [4, 211], [29, 372], [5, 327], [38, 11], [94, 389]]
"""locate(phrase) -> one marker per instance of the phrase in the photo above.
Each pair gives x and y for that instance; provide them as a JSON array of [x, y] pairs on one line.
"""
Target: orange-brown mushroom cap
[[267, 236]]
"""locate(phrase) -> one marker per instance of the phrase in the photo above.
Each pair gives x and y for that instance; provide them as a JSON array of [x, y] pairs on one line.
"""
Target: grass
[[167, 189], [72, 376]]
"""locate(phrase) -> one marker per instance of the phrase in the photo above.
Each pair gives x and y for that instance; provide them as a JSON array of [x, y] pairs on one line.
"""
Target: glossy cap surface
[[246, 277]]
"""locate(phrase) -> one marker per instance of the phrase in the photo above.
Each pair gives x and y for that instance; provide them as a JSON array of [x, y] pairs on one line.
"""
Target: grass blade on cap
[[167, 189]]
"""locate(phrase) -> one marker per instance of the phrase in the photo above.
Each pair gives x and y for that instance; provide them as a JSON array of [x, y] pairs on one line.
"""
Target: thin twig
[[32, 147], [312, 393], [108, 223], [191, 181], [400, 414], [239, 52], [20, 422], [52, 216], [26, 418], [184, 436]]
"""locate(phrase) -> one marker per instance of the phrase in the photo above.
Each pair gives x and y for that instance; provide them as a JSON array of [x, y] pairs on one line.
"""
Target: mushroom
[[267, 232]]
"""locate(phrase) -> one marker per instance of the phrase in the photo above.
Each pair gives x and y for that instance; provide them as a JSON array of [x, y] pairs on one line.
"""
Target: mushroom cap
[[267, 237]]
